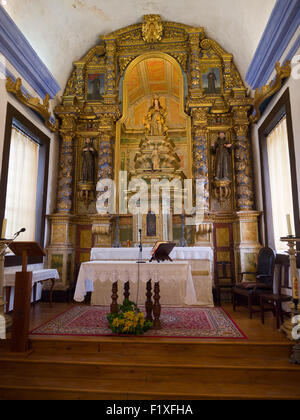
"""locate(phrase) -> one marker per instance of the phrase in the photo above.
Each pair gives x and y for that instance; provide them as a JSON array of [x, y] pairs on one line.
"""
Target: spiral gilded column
[[243, 161], [102, 223], [105, 160], [200, 148], [66, 165]]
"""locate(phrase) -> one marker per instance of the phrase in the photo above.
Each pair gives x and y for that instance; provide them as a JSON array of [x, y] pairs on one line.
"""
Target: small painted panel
[[95, 86], [211, 81]]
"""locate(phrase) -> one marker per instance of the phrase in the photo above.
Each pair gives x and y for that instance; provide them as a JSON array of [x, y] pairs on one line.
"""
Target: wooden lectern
[[22, 299]]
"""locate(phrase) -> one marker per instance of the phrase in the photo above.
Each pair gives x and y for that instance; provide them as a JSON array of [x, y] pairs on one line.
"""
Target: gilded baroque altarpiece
[[107, 97]]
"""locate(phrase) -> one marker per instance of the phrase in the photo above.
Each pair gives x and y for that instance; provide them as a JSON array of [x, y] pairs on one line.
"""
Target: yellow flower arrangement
[[128, 320]]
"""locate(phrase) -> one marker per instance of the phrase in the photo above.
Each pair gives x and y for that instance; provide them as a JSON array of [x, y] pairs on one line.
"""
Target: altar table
[[176, 283], [200, 259]]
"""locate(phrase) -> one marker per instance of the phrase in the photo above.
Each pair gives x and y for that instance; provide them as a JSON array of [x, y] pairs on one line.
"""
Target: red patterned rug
[[176, 323]]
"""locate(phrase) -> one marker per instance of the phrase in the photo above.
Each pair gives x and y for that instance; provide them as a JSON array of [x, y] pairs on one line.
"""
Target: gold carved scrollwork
[[152, 28], [33, 103], [261, 95], [181, 58], [124, 62], [207, 44]]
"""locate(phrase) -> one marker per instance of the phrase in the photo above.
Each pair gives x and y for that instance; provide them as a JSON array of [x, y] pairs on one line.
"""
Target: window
[[279, 175], [24, 179], [280, 182], [21, 193]]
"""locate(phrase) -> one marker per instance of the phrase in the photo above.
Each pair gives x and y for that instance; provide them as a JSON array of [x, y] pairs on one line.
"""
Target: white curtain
[[280, 181], [20, 209]]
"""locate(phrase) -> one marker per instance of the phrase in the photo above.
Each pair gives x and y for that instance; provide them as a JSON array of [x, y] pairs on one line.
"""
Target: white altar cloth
[[178, 253], [200, 259], [176, 283], [37, 276]]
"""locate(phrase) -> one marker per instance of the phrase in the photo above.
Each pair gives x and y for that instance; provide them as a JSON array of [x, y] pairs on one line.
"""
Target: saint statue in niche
[[156, 118], [95, 86], [151, 224], [222, 149], [211, 80], [88, 162], [155, 157]]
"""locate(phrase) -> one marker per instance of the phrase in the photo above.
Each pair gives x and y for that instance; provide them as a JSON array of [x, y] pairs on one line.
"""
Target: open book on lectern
[[161, 251]]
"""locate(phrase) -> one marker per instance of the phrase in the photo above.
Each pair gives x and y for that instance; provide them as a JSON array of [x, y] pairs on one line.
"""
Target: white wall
[[6, 97], [62, 31]]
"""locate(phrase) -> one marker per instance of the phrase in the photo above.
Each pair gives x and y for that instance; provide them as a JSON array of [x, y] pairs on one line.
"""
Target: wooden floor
[[154, 368]]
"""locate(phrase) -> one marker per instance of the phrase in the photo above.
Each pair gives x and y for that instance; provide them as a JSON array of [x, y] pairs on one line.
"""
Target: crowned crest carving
[[152, 28]]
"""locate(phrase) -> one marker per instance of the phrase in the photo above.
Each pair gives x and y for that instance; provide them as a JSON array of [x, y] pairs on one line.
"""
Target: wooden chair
[[263, 284], [224, 271], [276, 300]]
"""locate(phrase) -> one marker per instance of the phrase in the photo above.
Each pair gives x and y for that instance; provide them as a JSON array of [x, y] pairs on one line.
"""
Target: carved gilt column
[[60, 251], [243, 161], [195, 71], [246, 230], [105, 160], [102, 223], [200, 150], [66, 165], [111, 48]]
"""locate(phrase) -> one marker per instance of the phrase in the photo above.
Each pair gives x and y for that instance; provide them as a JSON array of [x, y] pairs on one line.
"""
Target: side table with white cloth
[[38, 277], [200, 259], [175, 278]]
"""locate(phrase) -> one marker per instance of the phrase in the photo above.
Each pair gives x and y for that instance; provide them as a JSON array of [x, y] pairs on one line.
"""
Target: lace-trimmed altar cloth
[[176, 283]]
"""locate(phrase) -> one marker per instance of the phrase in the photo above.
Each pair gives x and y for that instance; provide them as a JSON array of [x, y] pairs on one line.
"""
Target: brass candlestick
[[289, 326]]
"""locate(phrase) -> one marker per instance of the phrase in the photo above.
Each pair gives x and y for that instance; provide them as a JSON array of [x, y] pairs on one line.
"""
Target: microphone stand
[[139, 261]]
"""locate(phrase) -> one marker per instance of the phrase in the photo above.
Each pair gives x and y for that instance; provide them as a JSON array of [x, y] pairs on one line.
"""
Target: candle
[[4, 228], [289, 225]]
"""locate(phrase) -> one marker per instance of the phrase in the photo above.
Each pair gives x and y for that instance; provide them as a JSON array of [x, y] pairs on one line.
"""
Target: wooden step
[[159, 379], [48, 393], [154, 368], [170, 351]]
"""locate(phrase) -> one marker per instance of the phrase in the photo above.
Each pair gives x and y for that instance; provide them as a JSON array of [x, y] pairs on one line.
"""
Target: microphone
[[20, 231], [11, 241]]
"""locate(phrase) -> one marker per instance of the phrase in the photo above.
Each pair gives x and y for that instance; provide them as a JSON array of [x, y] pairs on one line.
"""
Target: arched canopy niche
[[151, 74]]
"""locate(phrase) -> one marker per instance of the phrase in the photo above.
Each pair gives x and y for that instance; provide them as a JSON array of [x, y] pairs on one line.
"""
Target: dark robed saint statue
[[88, 162], [212, 81], [222, 149]]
